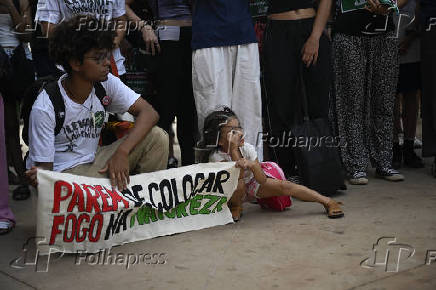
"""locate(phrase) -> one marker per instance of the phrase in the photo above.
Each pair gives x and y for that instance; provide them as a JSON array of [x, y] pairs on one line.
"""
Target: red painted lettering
[[91, 200], [57, 220], [97, 218], [116, 198], [81, 238], [71, 218], [77, 199], [104, 196], [59, 187]]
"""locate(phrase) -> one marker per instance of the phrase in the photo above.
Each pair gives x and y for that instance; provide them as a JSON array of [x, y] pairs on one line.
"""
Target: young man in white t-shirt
[[84, 52], [52, 12]]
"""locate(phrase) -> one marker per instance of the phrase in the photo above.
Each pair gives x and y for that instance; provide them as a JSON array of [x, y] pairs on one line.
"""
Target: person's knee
[[159, 139]]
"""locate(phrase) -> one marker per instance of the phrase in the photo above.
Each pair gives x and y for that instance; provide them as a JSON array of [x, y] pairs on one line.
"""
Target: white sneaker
[[358, 178], [389, 174]]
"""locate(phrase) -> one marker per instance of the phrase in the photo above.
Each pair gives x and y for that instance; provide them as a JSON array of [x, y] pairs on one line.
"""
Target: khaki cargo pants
[[149, 155]]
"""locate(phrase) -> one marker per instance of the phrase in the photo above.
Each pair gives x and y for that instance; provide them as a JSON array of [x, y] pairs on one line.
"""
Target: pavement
[[383, 242]]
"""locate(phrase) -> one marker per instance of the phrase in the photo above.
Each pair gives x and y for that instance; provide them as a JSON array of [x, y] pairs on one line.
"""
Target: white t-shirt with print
[[56, 11], [248, 151], [78, 139]]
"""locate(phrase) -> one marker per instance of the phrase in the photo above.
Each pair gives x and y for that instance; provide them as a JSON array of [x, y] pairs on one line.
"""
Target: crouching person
[[68, 115]]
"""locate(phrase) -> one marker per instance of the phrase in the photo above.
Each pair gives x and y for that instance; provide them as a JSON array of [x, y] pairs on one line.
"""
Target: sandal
[[333, 209], [236, 211], [6, 226], [22, 192]]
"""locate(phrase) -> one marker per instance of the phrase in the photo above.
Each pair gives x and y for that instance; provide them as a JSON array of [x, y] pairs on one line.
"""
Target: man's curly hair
[[73, 38]]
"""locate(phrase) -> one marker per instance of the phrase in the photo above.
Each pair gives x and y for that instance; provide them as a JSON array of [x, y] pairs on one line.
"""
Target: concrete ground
[[297, 249]]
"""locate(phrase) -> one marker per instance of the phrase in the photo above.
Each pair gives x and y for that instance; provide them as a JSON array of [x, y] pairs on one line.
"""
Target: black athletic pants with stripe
[[175, 96], [282, 61]]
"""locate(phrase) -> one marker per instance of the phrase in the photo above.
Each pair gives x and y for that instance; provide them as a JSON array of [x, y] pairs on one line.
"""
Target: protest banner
[[80, 213]]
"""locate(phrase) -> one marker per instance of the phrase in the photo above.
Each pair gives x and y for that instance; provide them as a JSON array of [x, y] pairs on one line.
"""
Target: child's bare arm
[[253, 166]]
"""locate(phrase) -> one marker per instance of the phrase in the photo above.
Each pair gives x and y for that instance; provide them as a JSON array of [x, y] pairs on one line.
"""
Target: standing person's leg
[[410, 118], [318, 81], [168, 83], [14, 153], [280, 57], [409, 85], [187, 129], [410, 112], [246, 95], [7, 219], [350, 68], [428, 69], [212, 79], [383, 57]]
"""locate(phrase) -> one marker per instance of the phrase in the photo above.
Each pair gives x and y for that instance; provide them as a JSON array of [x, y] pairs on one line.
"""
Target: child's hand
[[244, 164], [235, 139], [254, 167]]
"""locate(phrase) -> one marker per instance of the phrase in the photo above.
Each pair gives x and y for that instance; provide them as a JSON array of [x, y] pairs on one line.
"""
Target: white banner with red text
[[78, 213]]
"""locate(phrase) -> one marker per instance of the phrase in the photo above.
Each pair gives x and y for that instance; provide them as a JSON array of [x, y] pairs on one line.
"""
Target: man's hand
[[117, 168], [310, 51], [404, 46], [377, 8], [151, 42], [31, 176], [407, 41]]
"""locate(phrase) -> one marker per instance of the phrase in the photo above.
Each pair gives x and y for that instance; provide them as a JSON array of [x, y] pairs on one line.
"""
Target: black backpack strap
[[54, 93], [100, 92]]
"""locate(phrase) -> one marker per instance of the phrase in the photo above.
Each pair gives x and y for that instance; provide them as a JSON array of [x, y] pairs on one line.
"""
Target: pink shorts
[[271, 170]]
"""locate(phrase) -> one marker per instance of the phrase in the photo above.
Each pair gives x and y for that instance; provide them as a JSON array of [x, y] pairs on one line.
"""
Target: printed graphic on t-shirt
[[88, 128], [351, 5], [96, 7]]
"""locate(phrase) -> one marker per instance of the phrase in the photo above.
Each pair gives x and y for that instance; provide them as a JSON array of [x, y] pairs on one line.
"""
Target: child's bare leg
[[274, 187]]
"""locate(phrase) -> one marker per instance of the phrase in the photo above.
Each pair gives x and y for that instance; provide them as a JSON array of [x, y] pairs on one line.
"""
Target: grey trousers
[[366, 73], [151, 154]]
